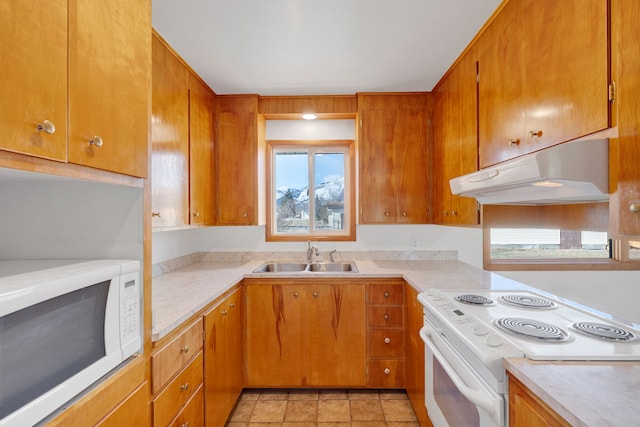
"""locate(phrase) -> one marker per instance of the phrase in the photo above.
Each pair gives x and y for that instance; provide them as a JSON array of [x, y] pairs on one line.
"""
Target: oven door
[[455, 395]]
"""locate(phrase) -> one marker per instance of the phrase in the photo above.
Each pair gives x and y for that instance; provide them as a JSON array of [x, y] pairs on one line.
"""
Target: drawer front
[[386, 293], [385, 316], [386, 373], [173, 356], [179, 390], [386, 343], [192, 415]]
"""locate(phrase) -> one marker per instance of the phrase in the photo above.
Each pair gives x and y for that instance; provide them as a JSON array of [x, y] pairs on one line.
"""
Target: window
[[311, 194]]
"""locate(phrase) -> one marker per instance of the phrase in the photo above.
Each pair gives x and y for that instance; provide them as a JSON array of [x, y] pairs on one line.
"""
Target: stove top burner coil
[[604, 331], [527, 301], [534, 329], [474, 299]]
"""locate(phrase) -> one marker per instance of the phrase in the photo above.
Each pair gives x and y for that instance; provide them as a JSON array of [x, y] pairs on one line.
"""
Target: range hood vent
[[573, 172]]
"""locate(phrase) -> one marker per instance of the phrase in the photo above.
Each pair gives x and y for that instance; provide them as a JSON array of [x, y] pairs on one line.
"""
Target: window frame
[[590, 216], [349, 234]]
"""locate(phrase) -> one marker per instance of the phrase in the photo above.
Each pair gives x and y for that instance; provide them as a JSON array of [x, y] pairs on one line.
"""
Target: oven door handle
[[475, 396]]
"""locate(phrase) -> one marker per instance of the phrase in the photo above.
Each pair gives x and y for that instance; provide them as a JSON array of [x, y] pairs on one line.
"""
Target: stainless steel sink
[[333, 267], [281, 267], [302, 267]]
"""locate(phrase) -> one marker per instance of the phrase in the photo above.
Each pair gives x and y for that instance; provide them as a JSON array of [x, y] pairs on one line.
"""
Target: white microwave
[[63, 326]]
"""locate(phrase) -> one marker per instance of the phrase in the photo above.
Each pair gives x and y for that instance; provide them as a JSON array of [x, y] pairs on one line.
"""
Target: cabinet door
[[334, 331], [33, 82], [109, 84], [377, 179], [454, 142], [170, 139], [237, 160], [566, 70], [201, 153], [414, 356], [223, 359], [527, 410], [410, 167], [134, 410], [626, 203], [501, 115], [274, 328]]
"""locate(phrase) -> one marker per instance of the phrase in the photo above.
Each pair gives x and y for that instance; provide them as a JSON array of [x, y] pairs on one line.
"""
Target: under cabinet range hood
[[573, 172]]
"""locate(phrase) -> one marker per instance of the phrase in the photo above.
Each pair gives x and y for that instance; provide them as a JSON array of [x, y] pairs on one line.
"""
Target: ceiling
[[321, 47]]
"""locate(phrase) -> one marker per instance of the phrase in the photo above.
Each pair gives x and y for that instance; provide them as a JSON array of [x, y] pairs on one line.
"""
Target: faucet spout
[[311, 251]]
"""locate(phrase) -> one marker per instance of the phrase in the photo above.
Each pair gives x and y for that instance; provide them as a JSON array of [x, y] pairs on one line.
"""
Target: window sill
[[560, 265]]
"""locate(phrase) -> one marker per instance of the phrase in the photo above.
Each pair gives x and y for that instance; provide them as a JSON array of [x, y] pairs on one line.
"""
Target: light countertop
[[584, 393]]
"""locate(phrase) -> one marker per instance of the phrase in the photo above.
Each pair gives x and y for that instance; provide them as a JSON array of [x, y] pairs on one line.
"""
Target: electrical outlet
[[414, 243]]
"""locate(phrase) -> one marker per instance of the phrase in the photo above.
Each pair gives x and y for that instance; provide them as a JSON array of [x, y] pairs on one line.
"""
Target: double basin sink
[[307, 267]]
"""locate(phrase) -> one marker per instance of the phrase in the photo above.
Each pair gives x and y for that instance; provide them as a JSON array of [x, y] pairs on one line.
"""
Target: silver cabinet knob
[[295, 294], [315, 294], [96, 140], [195, 214], [533, 133], [387, 371], [232, 305], [513, 142], [184, 349], [634, 208], [386, 294], [224, 312], [387, 214], [46, 126], [185, 424], [387, 340], [404, 213], [245, 215], [184, 387], [386, 317]]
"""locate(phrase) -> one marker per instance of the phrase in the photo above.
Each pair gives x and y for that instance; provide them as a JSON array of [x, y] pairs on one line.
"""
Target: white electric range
[[467, 333]]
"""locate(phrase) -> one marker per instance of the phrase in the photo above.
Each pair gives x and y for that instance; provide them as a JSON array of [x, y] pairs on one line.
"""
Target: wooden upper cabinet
[[454, 142], [170, 138], [393, 158], [109, 85], [201, 153], [104, 90], [237, 159], [33, 86], [625, 161], [544, 76]]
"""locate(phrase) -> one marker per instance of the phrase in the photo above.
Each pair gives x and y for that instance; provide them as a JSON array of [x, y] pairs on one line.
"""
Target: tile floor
[[329, 408]]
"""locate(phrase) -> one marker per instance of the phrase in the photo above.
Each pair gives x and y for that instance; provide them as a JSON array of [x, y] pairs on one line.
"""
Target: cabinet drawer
[[386, 343], [192, 415], [386, 373], [171, 399], [386, 293], [173, 356], [385, 316]]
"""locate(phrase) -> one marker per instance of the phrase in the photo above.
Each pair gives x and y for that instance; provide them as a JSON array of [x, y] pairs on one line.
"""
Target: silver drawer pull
[[96, 140], [185, 424], [386, 317], [184, 386], [184, 349]]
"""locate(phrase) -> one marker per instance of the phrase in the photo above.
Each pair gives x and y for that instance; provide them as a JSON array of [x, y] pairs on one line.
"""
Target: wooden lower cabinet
[[414, 356], [177, 376], [527, 410], [305, 332], [385, 333], [133, 411], [223, 356]]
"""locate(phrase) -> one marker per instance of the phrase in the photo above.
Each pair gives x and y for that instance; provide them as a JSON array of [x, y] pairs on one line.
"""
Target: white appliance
[[467, 333], [64, 324], [573, 172]]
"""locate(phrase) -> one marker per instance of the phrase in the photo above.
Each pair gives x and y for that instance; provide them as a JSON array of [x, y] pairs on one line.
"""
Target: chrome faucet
[[331, 254], [311, 251]]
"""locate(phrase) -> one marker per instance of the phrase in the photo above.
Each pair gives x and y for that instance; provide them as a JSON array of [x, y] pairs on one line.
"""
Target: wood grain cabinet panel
[[34, 85], [544, 76], [527, 410], [201, 153], [168, 360], [237, 150], [192, 414], [385, 339], [109, 85], [134, 410], [64, 70], [305, 333], [175, 395], [223, 353], [454, 142], [170, 138], [625, 162], [393, 157]]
